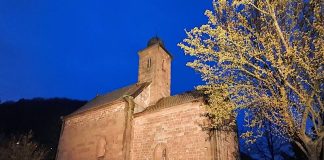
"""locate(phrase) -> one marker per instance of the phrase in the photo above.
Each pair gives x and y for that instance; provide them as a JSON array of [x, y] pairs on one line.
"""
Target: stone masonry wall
[[176, 129], [225, 145], [98, 132], [158, 72]]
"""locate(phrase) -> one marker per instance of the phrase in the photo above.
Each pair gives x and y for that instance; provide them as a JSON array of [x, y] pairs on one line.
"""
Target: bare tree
[[22, 148]]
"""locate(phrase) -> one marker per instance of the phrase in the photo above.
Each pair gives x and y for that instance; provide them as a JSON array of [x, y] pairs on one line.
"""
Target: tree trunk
[[315, 152], [314, 156], [322, 149]]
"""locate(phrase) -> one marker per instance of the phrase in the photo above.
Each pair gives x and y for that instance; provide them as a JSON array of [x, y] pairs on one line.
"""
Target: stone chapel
[[143, 121]]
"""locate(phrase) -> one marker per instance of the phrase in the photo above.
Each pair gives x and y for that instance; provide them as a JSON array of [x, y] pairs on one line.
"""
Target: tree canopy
[[265, 57]]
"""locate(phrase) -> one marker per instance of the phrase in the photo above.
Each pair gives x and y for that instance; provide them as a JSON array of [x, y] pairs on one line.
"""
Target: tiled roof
[[98, 101], [160, 45], [170, 101]]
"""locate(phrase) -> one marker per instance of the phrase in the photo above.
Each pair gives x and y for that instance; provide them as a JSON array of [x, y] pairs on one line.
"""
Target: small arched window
[[160, 152], [149, 63], [163, 65], [101, 148]]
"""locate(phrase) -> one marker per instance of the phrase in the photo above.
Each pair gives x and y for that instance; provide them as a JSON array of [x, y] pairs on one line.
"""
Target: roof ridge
[[113, 96], [171, 101]]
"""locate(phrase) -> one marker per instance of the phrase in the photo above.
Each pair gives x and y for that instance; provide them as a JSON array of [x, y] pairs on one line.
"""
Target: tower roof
[[155, 40]]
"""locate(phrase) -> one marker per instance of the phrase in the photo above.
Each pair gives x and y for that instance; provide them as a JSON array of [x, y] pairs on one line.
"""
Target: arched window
[[163, 65], [160, 152], [149, 63], [101, 148]]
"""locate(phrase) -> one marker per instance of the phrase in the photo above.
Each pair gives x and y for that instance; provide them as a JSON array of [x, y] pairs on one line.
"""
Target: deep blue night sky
[[80, 48]]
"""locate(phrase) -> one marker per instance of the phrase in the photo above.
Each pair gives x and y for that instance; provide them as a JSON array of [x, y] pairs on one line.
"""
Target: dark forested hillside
[[41, 116]]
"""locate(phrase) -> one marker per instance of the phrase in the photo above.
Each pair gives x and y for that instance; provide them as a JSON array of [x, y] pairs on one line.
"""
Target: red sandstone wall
[[226, 147], [81, 134], [176, 128], [159, 73]]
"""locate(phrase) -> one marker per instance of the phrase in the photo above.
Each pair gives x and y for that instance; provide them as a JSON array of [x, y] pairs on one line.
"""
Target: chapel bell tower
[[155, 67]]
